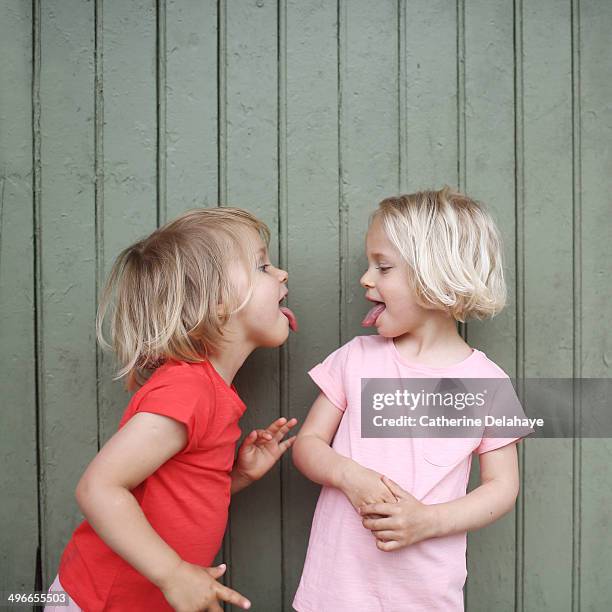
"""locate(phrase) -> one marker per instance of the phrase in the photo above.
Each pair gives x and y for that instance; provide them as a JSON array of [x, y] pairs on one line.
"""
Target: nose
[[283, 275], [365, 282]]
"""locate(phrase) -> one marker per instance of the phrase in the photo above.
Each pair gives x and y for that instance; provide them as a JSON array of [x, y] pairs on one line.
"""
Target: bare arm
[[143, 444], [314, 457], [488, 502], [312, 453]]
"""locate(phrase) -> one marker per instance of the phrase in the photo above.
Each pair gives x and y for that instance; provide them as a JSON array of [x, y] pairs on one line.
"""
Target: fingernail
[[247, 605]]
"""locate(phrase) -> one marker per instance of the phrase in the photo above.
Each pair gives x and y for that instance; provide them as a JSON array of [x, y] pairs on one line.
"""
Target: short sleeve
[[182, 399], [506, 405], [329, 375]]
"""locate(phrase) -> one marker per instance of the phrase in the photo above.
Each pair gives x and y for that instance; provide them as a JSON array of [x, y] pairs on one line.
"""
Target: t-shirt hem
[[325, 383], [75, 599], [299, 606], [502, 442]]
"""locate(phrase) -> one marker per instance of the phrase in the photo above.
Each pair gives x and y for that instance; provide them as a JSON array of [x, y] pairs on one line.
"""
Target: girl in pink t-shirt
[[389, 529]]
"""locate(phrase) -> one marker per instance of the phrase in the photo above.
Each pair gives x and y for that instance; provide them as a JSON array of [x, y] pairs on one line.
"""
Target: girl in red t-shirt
[[192, 301]]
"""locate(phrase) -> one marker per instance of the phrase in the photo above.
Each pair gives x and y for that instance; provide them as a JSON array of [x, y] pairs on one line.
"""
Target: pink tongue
[[292, 320], [372, 315]]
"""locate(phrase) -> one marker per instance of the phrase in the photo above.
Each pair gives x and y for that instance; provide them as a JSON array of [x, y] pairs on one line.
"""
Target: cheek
[[264, 300], [392, 295], [400, 302]]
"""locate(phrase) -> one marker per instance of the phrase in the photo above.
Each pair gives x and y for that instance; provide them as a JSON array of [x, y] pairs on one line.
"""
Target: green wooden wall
[[116, 116]]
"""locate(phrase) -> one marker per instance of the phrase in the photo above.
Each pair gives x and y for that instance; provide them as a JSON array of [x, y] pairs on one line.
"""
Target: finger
[[385, 536], [264, 434], [395, 488], [218, 571], [288, 443], [285, 421], [388, 546], [373, 516], [284, 429], [214, 607], [377, 524], [382, 509], [292, 422], [233, 597], [250, 439], [276, 425]]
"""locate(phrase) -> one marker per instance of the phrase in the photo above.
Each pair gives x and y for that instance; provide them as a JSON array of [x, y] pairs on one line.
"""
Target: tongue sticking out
[[292, 320], [372, 315]]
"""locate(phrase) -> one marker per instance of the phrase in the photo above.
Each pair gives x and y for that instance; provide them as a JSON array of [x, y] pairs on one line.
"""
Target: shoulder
[[180, 390], [487, 368], [355, 352], [178, 379], [369, 342], [355, 346], [363, 349]]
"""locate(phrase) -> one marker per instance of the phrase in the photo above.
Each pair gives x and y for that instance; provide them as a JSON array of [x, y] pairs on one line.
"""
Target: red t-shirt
[[186, 500]]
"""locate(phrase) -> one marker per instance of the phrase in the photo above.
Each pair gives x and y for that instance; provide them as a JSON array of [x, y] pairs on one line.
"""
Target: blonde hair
[[453, 248], [169, 287]]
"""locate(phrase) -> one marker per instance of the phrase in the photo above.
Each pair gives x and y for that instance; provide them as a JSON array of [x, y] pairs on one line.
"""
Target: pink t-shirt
[[344, 570]]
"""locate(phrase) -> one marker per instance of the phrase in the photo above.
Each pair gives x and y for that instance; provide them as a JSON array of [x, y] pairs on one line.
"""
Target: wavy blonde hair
[[168, 288], [453, 248]]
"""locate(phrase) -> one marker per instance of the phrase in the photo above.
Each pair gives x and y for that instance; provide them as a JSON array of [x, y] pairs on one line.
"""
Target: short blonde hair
[[453, 248], [169, 286]]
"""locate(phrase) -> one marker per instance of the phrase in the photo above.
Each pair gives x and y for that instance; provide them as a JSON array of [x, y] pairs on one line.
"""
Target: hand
[[364, 486], [403, 523], [192, 588], [262, 448]]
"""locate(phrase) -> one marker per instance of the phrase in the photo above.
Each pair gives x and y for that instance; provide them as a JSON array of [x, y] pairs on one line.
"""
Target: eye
[[263, 267], [383, 269]]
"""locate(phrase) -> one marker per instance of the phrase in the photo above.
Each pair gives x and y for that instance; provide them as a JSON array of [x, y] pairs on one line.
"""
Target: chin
[[272, 341], [389, 333], [281, 339], [386, 334]]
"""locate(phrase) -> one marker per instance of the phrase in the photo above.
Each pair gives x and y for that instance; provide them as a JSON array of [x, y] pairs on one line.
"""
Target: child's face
[[263, 321], [386, 282]]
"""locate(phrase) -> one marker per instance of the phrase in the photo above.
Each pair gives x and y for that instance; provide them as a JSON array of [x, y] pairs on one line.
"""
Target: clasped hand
[[394, 516]]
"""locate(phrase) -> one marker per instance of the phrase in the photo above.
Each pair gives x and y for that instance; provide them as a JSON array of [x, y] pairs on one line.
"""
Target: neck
[[438, 329], [230, 358]]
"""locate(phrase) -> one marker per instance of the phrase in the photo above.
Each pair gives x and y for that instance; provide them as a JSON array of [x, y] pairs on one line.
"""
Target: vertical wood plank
[[18, 479], [253, 550], [313, 257], [191, 105], [431, 94], [489, 177], [191, 112], [369, 137], [126, 139], [547, 104], [593, 73], [67, 279]]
